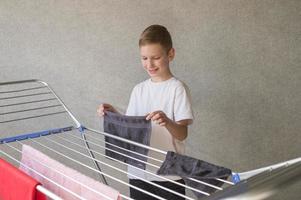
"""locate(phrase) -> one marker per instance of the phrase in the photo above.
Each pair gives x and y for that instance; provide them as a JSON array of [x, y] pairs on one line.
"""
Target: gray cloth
[[188, 167], [134, 128]]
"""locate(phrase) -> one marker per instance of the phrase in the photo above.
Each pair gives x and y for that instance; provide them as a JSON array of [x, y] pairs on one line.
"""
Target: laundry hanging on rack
[[261, 180], [70, 179], [16, 185], [134, 128], [188, 167]]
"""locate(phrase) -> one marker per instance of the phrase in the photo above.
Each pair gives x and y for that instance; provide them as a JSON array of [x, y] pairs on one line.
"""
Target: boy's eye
[[144, 58]]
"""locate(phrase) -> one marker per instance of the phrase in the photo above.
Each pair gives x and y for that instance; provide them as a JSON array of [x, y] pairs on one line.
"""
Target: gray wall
[[241, 60]]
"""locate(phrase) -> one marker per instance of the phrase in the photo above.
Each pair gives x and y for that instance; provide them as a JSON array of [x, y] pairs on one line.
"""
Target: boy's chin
[[152, 74]]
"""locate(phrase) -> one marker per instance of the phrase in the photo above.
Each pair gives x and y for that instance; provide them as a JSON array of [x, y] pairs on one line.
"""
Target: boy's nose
[[150, 64]]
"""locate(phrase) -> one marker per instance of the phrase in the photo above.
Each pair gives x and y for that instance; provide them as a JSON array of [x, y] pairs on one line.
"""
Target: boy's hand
[[104, 107], [158, 117]]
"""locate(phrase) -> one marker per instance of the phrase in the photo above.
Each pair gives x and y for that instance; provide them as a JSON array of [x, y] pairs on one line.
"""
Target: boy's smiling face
[[155, 61]]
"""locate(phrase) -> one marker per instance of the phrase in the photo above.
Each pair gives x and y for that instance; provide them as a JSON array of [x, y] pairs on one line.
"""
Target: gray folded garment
[[188, 167], [134, 128]]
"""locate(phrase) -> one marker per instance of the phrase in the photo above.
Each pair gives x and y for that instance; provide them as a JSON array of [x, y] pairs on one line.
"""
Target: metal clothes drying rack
[[34, 100]]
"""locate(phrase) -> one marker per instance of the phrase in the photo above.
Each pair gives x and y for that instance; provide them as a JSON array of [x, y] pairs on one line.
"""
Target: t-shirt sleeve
[[183, 108]]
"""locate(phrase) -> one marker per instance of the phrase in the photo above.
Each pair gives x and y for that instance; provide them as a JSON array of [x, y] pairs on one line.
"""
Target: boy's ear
[[171, 54]]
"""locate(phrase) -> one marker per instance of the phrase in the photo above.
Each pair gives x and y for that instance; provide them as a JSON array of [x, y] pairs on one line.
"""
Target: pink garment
[[28, 153]]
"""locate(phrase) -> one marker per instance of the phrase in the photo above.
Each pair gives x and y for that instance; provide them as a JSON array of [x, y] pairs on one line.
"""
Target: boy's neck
[[161, 78]]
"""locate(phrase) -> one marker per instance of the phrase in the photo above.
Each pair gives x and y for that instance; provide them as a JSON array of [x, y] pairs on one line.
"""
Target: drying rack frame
[[237, 178]]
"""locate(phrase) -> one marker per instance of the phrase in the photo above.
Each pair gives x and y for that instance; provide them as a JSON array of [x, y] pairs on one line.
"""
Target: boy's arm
[[177, 129]]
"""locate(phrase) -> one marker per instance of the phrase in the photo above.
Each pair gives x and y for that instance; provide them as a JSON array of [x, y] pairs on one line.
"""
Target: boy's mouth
[[152, 71]]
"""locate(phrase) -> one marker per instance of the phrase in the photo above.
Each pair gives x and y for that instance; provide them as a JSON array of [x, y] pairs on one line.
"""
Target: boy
[[164, 100]]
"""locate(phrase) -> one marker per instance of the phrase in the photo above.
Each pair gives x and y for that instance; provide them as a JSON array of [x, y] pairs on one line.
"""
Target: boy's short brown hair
[[156, 34]]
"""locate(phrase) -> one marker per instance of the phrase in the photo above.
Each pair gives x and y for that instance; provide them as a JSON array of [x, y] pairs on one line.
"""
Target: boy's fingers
[[154, 115], [160, 121], [157, 116], [150, 116], [162, 124], [107, 106]]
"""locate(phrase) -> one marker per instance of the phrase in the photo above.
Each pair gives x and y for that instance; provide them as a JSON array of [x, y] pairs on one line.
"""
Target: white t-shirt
[[173, 98]]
